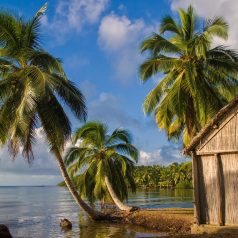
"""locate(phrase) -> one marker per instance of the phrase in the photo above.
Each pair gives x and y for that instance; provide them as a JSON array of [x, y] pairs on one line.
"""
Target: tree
[[172, 175], [186, 171], [33, 87], [103, 162], [197, 80]]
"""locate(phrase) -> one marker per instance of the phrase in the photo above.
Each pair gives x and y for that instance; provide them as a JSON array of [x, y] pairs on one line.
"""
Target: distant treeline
[[174, 175]]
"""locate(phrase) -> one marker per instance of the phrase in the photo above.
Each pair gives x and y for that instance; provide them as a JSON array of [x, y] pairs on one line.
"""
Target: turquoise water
[[34, 212]]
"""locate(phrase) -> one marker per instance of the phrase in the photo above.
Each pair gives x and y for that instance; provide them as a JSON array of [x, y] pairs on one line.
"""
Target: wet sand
[[175, 223]]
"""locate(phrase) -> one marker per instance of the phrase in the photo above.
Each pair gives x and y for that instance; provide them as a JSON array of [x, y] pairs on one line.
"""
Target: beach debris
[[65, 224], [4, 232]]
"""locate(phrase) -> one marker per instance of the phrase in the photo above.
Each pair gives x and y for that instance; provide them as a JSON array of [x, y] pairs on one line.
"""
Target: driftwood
[[65, 224]]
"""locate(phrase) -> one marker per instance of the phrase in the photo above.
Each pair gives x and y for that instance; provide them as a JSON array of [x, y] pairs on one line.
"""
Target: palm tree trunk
[[91, 212], [115, 198], [190, 119]]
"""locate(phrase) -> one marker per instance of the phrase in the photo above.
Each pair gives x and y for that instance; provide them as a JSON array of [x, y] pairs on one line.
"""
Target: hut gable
[[222, 137], [221, 134]]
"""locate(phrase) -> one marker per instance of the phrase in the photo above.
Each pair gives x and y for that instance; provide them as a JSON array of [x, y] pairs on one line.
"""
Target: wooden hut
[[214, 154]]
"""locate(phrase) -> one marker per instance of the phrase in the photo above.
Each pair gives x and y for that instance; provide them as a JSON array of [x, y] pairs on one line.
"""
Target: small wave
[[29, 220]]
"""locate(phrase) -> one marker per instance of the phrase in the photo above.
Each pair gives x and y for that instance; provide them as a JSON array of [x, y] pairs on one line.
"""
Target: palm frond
[[157, 44], [42, 10], [158, 64], [168, 24], [216, 27], [119, 135], [54, 121]]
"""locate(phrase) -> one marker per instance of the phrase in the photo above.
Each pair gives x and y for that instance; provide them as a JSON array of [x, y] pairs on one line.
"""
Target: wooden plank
[[197, 214], [221, 192], [230, 177], [216, 152], [212, 134], [208, 189]]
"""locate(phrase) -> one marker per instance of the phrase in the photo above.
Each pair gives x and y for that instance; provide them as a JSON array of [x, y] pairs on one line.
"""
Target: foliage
[[184, 184], [198, 79], [173, 175], [61, 184], [33, 88], [99, 154]]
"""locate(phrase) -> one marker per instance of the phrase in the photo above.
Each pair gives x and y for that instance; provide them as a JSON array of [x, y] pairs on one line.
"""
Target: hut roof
[[212, 125]]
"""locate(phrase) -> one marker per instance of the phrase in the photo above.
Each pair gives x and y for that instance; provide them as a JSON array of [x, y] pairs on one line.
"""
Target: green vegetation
[[33, 88], [31, 82], [173, 176], [198, 79], [102, 163], [61, 184]]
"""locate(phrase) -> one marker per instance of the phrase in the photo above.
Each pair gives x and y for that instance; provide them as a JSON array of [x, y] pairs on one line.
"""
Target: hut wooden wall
[[224, 138], [217, 164], [230, 171], [208, 189], [210, 195]]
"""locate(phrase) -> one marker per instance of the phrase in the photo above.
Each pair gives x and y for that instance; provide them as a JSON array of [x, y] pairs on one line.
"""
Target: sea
[[35, 212]]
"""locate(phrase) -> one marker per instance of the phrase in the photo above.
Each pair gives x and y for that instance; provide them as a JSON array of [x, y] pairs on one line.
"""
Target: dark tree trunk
[[91, 212]]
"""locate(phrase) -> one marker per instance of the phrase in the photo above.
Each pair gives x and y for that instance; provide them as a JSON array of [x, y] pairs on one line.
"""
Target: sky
[[98, 43]]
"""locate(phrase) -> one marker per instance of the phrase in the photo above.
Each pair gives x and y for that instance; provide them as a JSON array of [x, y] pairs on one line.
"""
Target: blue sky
[[98, 42]]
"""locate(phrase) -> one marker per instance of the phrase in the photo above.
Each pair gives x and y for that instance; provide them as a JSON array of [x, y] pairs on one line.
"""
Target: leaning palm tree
[[198, 79], [103, 161], [33, 87]]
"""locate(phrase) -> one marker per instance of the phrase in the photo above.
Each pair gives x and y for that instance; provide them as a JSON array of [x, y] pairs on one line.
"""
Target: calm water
[[34, 212]]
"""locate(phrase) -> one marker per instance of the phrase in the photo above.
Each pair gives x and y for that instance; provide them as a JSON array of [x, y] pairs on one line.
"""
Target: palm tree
[[103, 161], [186, 171], [33, 87], [85, 182], [198, 79]]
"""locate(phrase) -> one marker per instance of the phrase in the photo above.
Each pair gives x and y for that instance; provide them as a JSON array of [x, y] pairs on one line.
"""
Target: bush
[[184, 184]]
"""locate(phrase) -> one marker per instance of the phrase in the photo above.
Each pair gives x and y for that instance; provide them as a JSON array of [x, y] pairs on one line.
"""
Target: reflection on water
[[102, 230], [36, 211], [162, 198]]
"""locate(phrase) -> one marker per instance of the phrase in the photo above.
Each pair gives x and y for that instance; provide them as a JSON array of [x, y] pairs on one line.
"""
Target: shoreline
[[168, 220], [174, 222], [163, 223]]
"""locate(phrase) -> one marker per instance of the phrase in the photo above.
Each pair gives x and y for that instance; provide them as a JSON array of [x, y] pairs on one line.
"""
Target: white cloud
[[208, 9], [43, 170], [117, 32], [120, 37], [44, 162], [165, 155], [149, 158], [74, 15]]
